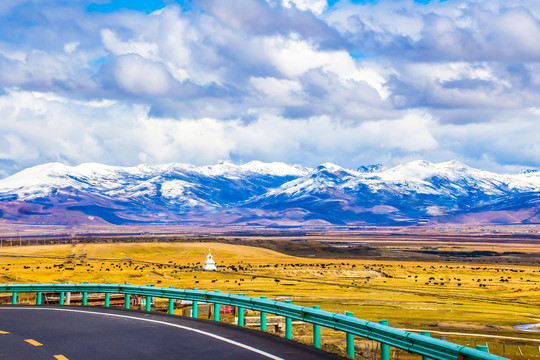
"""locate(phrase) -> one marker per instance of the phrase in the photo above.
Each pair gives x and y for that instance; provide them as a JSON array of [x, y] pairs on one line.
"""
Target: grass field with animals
[[447, 299]]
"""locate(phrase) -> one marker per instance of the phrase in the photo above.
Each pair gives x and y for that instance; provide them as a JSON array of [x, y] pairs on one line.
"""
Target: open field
[[465, 296], [510, 244]]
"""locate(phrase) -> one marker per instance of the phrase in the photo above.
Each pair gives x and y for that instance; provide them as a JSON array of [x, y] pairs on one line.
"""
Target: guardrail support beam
[[107, 299], [241, 314], [171, 306], [482, 348], [316, 331], [288, 324], [263, 317], [426, 333], [216, 309], [38, 298], [195, 308], [62, 297], [148, 303], [85, 297], [14, 298], [385, 349], [127, 301], [350, 340]]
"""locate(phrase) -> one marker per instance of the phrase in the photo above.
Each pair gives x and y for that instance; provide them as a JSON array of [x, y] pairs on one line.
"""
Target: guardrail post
[[317, 331], [107, 298], [148, 303], [216, 309], [350, 340], [62, 297], [195, 308], [171, 303], [127, 301], [288, 324], [263, 317], [38, 298], [85, 297], [385, 349], [482, 348], [14, 298], [426, 333], [241, 314], [171, 306]]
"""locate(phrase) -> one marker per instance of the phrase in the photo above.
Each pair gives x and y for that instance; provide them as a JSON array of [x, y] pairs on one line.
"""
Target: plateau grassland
[[442, 297]]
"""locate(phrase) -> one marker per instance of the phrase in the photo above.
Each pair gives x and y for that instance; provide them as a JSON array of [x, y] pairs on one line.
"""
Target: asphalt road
[[84, 333]]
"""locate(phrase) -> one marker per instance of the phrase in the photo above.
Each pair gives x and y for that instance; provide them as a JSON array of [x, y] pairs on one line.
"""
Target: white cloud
[[12, 147], [409, 133], [278, 92], [70, 47], [194, 141], [120, 134], [432, 72], [140, 47], [293, 57], [59, 129], [315, 6], [139, 76], [387, 19], [284, 80]]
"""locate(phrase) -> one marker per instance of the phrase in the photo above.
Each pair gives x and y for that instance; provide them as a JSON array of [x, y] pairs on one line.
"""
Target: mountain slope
[[401, 195], [268, 194]]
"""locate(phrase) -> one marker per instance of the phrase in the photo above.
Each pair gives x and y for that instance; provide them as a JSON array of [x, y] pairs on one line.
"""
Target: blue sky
[[137, 5], [300, 81], [148, 6]]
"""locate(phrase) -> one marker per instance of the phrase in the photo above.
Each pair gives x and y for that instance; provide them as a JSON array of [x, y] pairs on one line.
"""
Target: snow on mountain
[[371, 168], [140, 180], [446, 179], [460, 175], [405, 193], [264, 193], [256, 167]]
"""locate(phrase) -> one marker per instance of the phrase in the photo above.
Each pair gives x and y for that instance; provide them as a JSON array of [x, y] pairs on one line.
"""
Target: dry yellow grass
[[373, 290]]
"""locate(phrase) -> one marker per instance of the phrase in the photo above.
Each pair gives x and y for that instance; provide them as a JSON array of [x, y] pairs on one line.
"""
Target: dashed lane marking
[[33, 342], [209, 334]]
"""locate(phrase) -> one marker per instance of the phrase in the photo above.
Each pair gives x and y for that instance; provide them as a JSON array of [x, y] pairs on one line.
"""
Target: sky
[[126, 82]]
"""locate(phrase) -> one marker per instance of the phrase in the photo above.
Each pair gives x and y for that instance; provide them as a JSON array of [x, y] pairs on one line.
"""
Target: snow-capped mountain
[[415, 191], [269, 194]]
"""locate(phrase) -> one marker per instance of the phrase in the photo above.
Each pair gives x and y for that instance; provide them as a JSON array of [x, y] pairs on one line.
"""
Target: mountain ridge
[[268, 194]]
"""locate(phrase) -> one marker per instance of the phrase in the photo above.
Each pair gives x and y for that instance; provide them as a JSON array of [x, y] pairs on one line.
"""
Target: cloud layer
[[292, 80]]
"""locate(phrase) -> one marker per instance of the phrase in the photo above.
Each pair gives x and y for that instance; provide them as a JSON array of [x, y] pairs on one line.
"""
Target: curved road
[[84, 333]]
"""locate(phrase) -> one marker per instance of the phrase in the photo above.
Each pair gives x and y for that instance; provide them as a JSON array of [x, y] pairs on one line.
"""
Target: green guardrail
[[422, 344]]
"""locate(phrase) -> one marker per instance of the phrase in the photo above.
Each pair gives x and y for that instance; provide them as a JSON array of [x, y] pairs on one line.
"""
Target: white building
[[209, 264]]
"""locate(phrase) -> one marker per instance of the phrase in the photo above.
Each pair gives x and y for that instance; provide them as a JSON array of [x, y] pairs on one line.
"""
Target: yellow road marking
[[60, 357], [4, 332], [33, 342]]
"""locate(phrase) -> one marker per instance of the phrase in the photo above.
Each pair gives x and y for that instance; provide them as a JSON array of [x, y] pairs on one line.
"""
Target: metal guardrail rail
[[429, 348]]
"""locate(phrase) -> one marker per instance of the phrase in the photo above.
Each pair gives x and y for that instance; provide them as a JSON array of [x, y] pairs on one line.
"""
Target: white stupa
[[209, 264]]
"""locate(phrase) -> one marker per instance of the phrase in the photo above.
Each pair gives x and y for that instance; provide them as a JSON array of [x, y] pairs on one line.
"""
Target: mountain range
[[269, 194]]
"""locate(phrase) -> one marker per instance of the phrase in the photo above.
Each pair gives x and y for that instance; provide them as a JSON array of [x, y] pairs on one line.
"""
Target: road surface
[[84, 333]]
